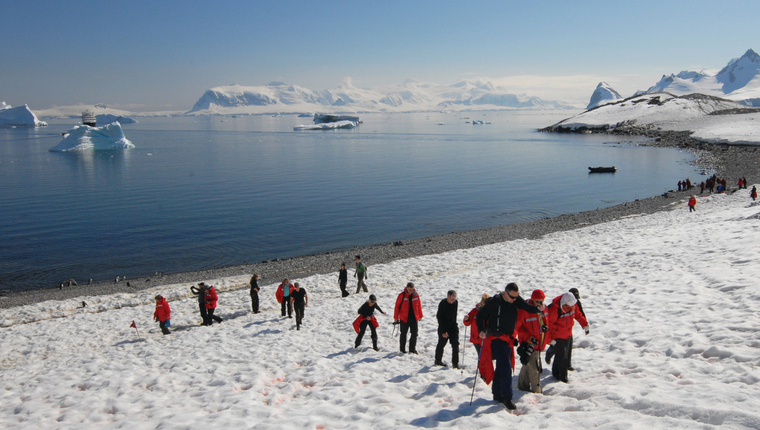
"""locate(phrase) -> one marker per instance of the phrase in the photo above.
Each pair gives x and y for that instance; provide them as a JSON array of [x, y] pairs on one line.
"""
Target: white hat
[[568, 299]]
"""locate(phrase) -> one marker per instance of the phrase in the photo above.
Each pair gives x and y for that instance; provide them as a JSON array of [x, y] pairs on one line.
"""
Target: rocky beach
[[726, 160]]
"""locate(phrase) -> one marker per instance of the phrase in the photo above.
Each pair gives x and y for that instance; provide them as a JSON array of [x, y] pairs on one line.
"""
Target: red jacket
[[474, 334], [692, 201], [561, 324], [211, 298], [528, 326], [163, 311], [401, 311], [280, 293]]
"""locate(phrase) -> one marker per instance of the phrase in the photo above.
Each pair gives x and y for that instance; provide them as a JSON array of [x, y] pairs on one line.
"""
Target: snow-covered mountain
[[410, 96], [738, 81], [603, 94]]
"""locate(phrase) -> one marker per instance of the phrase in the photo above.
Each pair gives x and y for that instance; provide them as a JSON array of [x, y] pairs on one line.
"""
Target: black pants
[[164, 328], [561, 357], [299, 308], [202, 308], [286, 303], [501, 387], [210, 317], [360, 283], [454, 340], [360, 335], [410, 325], [570, 352], [343, 290], [255, 302]]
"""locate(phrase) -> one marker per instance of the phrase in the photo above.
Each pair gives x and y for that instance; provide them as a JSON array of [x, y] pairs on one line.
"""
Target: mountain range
[[738, 81]]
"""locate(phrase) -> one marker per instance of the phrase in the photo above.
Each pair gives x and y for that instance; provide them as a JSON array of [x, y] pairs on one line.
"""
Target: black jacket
[[500, 317], [254, 286], [343, 276], [447, 316], [366, 310]]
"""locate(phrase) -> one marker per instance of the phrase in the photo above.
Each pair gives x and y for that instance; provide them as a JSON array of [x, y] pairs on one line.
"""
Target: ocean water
[[200, 193]]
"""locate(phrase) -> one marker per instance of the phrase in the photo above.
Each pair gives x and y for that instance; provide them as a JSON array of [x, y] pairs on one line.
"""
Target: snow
[[19, 116], [84, 137], [603, 94], [674, 342]]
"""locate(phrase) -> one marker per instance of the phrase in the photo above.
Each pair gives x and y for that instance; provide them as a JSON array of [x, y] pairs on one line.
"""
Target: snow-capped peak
[[602, 95], [739, 71]]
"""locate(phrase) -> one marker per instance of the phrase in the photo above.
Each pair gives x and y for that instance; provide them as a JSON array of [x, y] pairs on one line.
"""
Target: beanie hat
[[372, 298], [576, 293], [537, 295], [568, 299]]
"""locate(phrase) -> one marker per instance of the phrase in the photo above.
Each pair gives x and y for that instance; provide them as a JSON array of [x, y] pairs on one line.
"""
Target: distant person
[[163, 314], [300, 301], [448, 329], [360, 274], [740, 184], [702, 187], [745, 182], [201, 300], [407, 313], [469, 319], [688, 183], [211, 299], [366, 319], [343, 279], [753, 193], [283, 297], [496, 325], [255, 293], [563, 313], [679, 185], [531, 333], [692, 204]]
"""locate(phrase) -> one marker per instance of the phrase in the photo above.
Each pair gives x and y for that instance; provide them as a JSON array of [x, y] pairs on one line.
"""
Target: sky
[[146, 55]]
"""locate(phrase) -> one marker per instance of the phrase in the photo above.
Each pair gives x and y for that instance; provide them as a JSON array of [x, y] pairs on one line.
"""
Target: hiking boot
[[571, 368], [509, 404], [498, 398], [440, 363]]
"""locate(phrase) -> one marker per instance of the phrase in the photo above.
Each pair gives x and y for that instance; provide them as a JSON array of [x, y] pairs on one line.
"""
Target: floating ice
[[84, 137]]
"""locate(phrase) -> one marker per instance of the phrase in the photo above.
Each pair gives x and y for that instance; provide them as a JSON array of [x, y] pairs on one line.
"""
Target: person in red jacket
[[408, 312], [531, 333], [283, 297], [211, 299], [469, 319], [563, 313], [692, 203], [162, 314]]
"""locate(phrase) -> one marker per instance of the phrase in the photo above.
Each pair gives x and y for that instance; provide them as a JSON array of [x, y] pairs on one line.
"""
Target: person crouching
[[366, 319], [163, 314]]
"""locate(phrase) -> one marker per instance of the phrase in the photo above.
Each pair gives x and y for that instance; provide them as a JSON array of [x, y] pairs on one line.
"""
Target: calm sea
[[200, 193]]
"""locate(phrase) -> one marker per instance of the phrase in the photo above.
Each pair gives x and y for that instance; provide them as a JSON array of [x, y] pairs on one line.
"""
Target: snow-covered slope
[[410, 96], [19, 116], [84, 137], [739, 81], [603, 94], [670, 297]]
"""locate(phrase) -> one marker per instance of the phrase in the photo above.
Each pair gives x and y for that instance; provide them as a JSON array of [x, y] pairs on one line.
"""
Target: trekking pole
[[475, 381], [464, 346]]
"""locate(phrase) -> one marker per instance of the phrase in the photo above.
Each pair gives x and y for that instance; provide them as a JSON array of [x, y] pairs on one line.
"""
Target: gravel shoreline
[[729, 161]]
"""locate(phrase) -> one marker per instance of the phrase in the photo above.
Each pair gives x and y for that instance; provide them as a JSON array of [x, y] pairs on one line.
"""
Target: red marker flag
[[133, 324]]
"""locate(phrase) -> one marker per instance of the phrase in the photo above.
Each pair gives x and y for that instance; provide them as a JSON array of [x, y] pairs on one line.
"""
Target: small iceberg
[[107, 118], [20, 116], [84, 137], [327, 126]]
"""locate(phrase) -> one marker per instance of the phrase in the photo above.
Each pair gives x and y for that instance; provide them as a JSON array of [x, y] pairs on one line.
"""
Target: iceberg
[[327, 125], [328, 118], [84, 137], [19, 116], [107, 118]]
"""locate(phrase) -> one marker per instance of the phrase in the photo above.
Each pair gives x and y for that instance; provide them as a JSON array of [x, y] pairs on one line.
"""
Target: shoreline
[[726, 160]]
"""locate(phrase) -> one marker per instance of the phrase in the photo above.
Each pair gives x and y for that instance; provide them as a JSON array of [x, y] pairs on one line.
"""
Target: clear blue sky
[[150, 55]]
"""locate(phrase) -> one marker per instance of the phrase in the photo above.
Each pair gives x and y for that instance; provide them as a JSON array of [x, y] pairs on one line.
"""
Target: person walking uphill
[[692, 203], [211, 299], [496, 325], [563, 313], [283, 297], [300, 301], [366, 319], [201, 301], [360, 274], [579, 305], [531, 333], [753, 193], [163, 314], [408, 312], [448, 329], [343, 279], [469, 319], [255, 293]]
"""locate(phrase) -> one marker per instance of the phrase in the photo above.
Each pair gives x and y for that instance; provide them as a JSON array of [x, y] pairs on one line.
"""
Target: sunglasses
[[513, 297]]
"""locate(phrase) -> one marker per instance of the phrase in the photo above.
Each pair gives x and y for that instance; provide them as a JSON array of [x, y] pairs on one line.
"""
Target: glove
[[544, 328], [586, 329], [516, 343], [524, 351], [550, 353]]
